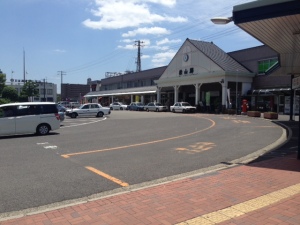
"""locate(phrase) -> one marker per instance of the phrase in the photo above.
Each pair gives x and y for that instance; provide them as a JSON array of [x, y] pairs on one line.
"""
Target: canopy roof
[[275, 23]]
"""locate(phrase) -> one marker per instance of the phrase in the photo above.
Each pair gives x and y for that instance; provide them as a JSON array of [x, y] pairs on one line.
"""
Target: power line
[[176, 33]]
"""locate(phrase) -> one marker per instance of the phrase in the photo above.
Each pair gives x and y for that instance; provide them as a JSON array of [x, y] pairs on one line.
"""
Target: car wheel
[[147, 110], [73, 115], [100, 114], [43, 129], [173, 110], [121, 108], [183, 111], [156, 110], [111, 108]]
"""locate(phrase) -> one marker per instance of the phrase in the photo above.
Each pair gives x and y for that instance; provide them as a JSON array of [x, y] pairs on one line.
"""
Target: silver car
[[183, 107], [156, 107], [117, 106]]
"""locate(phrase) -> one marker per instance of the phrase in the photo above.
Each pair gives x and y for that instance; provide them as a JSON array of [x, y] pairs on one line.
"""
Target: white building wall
[[50, 94], [195, 59]]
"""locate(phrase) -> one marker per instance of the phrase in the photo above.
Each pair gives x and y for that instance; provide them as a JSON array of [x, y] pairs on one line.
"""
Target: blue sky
[[86, 38]]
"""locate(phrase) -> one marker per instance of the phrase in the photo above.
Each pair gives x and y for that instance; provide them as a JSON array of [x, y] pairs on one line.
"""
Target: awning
[[126, 91], [276, 24], [272, 91]]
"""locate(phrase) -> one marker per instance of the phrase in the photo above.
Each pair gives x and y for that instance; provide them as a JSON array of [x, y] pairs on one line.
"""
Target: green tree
[[10, 93], [2, 81], [30, 89]]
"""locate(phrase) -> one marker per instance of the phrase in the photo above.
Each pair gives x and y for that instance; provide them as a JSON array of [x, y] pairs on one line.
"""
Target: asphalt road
[[90, 156]]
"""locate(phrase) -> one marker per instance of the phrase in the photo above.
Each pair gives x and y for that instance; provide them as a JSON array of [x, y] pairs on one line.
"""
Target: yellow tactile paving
[[231, 212], [216, 217], [244, 207]]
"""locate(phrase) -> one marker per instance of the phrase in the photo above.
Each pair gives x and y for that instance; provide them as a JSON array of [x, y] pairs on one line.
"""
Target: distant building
[[47, 91], [95, 85], [74, 92]]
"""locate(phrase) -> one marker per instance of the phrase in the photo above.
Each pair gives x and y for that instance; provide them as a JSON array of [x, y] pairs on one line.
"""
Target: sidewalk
[[266, 191]]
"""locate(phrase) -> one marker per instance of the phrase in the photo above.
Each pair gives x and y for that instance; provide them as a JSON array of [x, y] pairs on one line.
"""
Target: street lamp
[[221, 20]]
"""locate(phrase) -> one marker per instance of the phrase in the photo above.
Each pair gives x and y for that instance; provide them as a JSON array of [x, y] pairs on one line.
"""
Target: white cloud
[[128, 40], [128, 47], [167, 41], [60, 50], [118, 14], [169, 3], [146, 31], [144, 43], [145, 56], [163, 58]]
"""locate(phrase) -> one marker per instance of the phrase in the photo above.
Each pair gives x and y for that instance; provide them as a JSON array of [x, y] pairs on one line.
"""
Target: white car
[[183, 107], [89, 109], [28, 117], [117, 106]]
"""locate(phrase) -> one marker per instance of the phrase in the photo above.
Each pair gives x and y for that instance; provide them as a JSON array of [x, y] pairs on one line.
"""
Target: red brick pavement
[[188, 198]]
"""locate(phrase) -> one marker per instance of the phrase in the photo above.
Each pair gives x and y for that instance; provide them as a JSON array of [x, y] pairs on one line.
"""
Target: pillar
[[142, 99], [197, 93], [158, 94], [224, 94], [176, 88]]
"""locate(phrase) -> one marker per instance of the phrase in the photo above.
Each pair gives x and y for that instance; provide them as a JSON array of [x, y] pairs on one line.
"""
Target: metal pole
[[44, 91], [236, 92], [291, 99], [298, 155]]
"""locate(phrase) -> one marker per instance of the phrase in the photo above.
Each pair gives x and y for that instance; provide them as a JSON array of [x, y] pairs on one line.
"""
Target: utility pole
[[44, 90], [61, 73], [24, 72], [138, 61]]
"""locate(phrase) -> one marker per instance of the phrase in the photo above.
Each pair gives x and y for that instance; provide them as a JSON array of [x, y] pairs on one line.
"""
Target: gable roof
[[218, 56]]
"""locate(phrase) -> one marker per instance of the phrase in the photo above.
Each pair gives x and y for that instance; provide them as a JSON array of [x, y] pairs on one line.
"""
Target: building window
[[185, 71], [49, 92], [264, 65], [192, 70], [180, 72]]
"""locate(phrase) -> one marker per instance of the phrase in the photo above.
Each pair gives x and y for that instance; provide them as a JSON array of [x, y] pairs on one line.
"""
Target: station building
[[204, 75]]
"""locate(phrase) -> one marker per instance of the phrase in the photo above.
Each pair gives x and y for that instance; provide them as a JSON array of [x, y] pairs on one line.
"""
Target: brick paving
[[185, 201]]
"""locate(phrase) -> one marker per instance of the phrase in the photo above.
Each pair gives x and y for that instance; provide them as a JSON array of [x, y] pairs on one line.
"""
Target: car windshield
[[140, 104], [185, 104], [158, 104]]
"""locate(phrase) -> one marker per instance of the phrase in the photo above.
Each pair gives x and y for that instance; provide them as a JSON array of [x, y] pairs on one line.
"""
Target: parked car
[[183, 107], [136, 106], [29, 117], [156, 107], [89, 109], [61, 108], [117, 106], [61, 116]]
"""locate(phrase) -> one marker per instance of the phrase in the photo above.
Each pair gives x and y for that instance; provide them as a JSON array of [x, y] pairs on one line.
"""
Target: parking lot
[[91, 157]]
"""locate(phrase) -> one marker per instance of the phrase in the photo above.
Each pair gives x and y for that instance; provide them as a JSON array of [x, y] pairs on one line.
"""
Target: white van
[[28, 117]]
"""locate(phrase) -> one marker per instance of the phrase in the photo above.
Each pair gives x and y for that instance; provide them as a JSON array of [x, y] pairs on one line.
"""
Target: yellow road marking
[[244, 207], [123, 184], [197, 148], [139, 144], [241, 121]]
